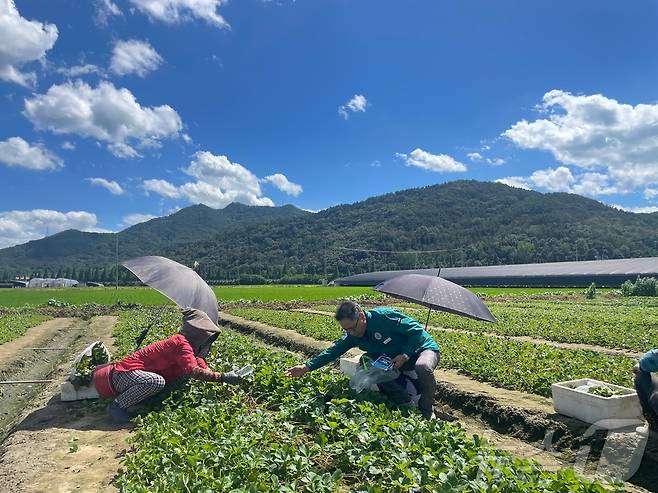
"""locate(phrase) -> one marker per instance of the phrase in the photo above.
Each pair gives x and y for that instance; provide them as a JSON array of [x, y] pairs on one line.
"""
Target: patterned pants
[[135, 386]]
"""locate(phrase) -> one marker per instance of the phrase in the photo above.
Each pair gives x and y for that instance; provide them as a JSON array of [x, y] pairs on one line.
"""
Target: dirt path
[[37, 336], [63, 447], [532, 340], [27, 364], [521, 423]]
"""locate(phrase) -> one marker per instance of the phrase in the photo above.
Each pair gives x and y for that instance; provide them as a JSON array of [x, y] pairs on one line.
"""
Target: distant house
[[38, 282]]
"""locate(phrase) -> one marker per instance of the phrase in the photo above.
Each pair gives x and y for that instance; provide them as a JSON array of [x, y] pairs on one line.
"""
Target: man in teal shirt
[[385, 331]]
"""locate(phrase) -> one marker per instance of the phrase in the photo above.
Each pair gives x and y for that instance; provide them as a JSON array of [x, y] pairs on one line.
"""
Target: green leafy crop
[[311, 434], [16, 323], [507, 363]]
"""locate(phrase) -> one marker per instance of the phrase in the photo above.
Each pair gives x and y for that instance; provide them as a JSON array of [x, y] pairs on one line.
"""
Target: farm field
[[630, 323], [307, 435], [506, 363], [228, 294], [147, 296], [13, 325], [314, 434]]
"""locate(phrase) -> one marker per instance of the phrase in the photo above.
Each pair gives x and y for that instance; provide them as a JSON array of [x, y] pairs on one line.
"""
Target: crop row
[[312, 434], [13, 325], [615, 323], [147, 296], [507, 363]]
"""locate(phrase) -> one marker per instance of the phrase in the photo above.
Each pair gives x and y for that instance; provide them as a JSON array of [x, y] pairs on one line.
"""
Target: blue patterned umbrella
[[437, 293]]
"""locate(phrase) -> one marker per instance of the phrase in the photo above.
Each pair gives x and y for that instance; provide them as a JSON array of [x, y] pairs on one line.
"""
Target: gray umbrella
[[437, 293], [178, 283]]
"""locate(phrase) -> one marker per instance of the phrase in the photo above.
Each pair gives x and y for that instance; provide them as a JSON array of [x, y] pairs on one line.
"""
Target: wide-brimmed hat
[[197, 328]]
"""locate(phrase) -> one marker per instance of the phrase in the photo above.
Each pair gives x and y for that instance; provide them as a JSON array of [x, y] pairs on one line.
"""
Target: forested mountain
[[78, 254], [457, 223]]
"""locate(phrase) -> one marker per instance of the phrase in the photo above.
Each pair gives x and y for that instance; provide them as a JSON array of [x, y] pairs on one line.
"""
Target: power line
[[398, 251]]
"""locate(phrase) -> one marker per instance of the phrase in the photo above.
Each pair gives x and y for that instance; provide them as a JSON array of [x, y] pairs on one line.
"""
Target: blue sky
[[116, 111]]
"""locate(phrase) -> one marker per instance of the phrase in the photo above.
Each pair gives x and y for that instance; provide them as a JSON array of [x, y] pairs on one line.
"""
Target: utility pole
[[116, 273], [325, 259]]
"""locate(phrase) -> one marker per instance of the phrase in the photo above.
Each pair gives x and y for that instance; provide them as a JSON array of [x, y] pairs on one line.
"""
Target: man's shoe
[[642, 430], [650, 426], [118, 414]]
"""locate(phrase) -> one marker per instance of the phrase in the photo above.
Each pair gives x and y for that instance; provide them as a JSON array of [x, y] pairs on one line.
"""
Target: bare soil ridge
[[62, 447]]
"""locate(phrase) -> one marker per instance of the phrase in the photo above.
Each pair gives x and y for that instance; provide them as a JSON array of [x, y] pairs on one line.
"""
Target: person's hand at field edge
[[232, 378], [297, 371], [400, 360]]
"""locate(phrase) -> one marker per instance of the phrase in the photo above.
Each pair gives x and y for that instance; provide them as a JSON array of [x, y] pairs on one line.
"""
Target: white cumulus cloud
[[476, 157], [554, 180], [134, 57], [650, 193], [357, 104], [18, 227], [162, 187], [78, 70], [596, 132], [104, 113], [636, 210], [515, 181], [22, 42], [136, 218], [176, 11], [110, 185], [17, 152], [281, 182], [218, 183], [105, 10], [432, 162], [561, 179]]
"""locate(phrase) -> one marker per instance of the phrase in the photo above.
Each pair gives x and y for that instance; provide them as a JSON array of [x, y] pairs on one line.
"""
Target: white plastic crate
[[617, 411], [348, 365], [68, 392]]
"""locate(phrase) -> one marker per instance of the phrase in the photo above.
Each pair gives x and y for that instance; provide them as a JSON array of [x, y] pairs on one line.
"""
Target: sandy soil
[[63, 447], [37, 336]]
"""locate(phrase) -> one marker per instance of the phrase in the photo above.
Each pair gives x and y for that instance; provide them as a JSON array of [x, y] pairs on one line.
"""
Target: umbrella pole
[[438, 274]]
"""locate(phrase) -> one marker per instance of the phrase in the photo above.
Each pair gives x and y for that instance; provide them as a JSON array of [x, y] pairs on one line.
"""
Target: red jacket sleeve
[[201, 362], [187, 360]]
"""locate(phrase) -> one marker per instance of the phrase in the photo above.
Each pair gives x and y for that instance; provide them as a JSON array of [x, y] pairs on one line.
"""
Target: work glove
[[232, 378]]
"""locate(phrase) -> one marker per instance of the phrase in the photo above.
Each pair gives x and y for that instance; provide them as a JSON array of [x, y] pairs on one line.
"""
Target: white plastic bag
[[367, 375]]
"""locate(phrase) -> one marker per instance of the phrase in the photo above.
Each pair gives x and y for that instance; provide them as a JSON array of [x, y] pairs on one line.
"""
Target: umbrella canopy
[[438, 294], [178, 283]]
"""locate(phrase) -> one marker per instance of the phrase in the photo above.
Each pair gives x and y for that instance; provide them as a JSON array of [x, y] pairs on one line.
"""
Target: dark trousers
[[646, 386], [424, 363]]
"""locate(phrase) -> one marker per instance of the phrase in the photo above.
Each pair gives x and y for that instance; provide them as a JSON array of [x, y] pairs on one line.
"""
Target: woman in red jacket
[[146, 371]]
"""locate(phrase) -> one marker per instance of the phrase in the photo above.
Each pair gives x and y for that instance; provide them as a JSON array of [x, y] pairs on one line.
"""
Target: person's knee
[[424, 368], [426, 365], [157, 382]]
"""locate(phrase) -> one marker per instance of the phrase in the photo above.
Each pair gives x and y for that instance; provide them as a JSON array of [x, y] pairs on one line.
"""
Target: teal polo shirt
[[388, 331]]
